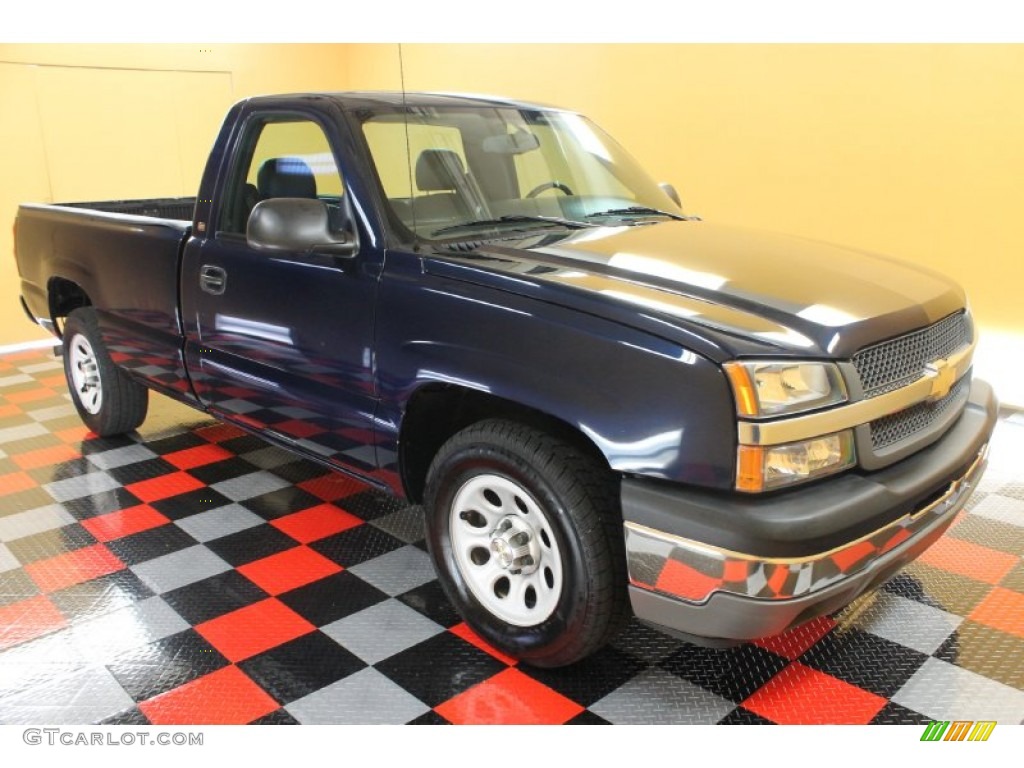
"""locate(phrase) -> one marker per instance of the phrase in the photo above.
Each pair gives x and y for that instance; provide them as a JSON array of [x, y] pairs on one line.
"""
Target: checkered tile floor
[[193, 574]]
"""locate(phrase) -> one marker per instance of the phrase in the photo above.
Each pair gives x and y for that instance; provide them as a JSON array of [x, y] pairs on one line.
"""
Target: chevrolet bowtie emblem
[[943, 377]]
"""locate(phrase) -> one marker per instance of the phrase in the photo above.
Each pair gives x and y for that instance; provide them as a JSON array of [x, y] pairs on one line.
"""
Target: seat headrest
[[437, 169], [285, 177]]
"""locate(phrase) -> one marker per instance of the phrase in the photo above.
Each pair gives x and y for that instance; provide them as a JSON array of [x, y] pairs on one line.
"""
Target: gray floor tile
[[397, 571], [83, 485], [365, 698], [207, 526], [405, 524], [945, 692], [8, 562], [657, 697], [382, 630], [119, 457], [247, 486], [35, 662], [22, 432], [34, 521], [162, 574], [81, 698], [49, 414], [50, 365], [103, 638], [906, 622], [1001, 508], [18, 378]]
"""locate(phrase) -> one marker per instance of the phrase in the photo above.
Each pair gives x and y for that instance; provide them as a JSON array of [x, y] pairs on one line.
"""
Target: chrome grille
[[898, 426], [900, 361]]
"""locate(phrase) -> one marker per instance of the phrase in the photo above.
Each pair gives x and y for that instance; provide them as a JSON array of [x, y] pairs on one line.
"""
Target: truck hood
[[735, 291]]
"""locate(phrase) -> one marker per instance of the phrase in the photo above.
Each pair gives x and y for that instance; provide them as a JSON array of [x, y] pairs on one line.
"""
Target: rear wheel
[[108, 400], [526, 535]]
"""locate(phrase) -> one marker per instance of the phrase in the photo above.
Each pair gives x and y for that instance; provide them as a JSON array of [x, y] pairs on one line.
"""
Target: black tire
[[577, 497], [108, 400]]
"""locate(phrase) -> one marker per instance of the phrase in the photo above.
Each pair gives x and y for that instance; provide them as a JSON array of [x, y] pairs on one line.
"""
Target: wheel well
[[65, 297], [436, 412]]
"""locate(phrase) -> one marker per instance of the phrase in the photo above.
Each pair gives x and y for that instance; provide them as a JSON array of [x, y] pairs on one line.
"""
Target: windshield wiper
[[641, 210], [516, 219]]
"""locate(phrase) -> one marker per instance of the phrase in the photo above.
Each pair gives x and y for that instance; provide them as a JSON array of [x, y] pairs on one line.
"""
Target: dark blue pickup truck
[[487, 307]]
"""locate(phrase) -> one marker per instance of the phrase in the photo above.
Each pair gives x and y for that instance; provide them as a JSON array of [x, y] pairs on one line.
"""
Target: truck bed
[[178, 208]]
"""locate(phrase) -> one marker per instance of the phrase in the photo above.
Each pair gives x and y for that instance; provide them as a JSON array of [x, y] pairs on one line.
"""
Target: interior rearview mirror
[[297, 224], [515, 143]]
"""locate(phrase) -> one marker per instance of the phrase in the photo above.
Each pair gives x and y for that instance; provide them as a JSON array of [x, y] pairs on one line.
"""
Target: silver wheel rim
[[85, 374], [506, 551]]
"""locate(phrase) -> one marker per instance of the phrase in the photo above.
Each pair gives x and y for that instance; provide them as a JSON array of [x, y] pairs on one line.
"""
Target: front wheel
[[526, 535], [108, 400]]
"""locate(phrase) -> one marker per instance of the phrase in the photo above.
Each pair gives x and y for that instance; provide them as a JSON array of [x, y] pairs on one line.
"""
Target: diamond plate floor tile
[[36, 662], [80, 698], [398, 571], [907, 622], [365, 698], [1002, 508], [382, 630], [84, 485], [51, 413], [219, 522], [247, 486], [8, 562], [405, 524], [34, 521], [178, 569], [657, 697], [23, 432], [120, 457], [102, 639], [943, 691]]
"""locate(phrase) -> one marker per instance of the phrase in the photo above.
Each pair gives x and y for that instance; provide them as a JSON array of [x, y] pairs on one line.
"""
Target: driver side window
[[282, 157]]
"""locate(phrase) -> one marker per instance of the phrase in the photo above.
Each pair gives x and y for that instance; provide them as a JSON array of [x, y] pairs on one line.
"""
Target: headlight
[[778, 387], [766, 467]]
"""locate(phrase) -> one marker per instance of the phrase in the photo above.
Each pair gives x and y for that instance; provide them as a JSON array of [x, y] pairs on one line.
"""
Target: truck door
[[280, 340]]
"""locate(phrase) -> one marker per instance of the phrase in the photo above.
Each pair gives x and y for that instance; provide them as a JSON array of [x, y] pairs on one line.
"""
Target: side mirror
[[296, 224], [669, 190]]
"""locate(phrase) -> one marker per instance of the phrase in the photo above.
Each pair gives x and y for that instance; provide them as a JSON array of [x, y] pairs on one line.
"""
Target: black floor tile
[[100, 503], [300, 667], [219, 471], [251, 544], [893, 714], [454, 666], [277, 717], [166, 664], [141, 470], [101, 595], [147, 545], [429, 718], [175, 443], [743, 716], [213, 597], [586, 717], [47, 544], [298, 471], [591, 679], [732, 673], [21, 501], [867, 661], [369, 505], [132, 716], [100, 444], [356, 545], [431, 601], [190, 503], [62, 471], [243, 444], [281, 502], [331, 598], [16, 586], [993, 534]]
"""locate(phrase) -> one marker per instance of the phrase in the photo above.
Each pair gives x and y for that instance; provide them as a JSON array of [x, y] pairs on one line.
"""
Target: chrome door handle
[[213, 280]]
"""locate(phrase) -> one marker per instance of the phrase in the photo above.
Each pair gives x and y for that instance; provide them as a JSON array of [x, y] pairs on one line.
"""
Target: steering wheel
[[549, 185]]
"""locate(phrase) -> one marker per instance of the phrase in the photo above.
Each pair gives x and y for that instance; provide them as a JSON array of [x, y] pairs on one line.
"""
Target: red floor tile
[[7, 409], [332, 487], [253, 629], [288, 570], [164, 487], [27, 620], [968, 559], [316, 523], [46, 456], [218, 433], [799, 695], [462, 630], [509, 698], [199, 456], [125, 522], [299, 428], [1002, 609], [13, 482], [57, 380], [75, 434], [793, 643], [73, 567], [224, 697], [31, 395]]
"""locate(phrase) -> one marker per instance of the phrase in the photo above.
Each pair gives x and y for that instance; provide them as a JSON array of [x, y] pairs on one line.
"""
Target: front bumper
[[705, 565]]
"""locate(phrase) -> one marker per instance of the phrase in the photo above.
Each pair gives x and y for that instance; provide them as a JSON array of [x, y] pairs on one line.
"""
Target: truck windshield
[[448, 172]]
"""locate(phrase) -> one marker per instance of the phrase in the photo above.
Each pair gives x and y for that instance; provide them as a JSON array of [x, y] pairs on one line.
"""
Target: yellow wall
[[100, 122], [910, 150]]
